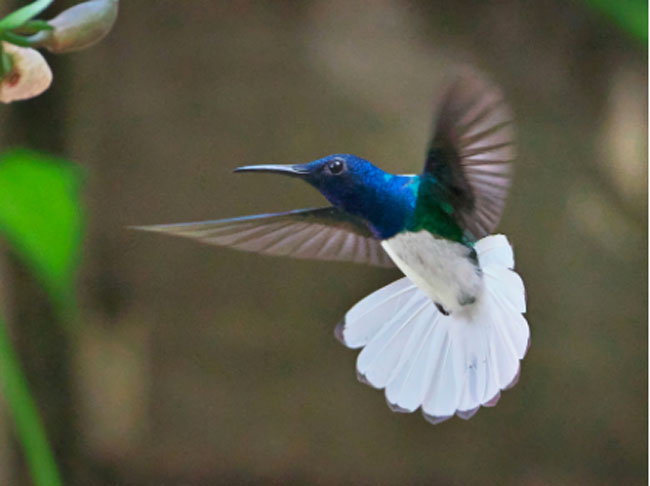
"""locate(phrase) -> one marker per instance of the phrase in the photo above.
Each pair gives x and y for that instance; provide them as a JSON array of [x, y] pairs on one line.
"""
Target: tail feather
[[494, 250], [407, 387], [444, 365], [370, 313], [382, 354], [508, 285], [505, 353]]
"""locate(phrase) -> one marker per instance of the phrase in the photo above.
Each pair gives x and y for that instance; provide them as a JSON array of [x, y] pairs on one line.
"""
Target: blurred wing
[[471, 152], [321, 234]]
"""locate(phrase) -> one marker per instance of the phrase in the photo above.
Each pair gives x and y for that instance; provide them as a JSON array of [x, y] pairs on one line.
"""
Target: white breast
[[443, 269]]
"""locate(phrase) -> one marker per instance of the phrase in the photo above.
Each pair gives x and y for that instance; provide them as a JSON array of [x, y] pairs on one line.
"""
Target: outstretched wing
[[321, 234], [471, 152]]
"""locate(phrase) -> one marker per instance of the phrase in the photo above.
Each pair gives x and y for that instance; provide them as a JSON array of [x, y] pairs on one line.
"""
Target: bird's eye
[[336, 166]]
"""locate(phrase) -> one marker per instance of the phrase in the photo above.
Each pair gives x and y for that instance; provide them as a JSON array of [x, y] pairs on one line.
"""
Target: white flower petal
[[30, 74]]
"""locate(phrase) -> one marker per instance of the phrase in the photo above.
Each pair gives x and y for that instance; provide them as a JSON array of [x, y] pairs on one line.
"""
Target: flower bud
[[79, 27], [29, 76]]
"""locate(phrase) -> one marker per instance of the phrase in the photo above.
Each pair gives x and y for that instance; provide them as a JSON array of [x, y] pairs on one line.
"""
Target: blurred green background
[[194, 365]]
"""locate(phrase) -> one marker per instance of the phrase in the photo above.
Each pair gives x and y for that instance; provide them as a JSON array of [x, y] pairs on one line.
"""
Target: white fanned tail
[[444, 365]]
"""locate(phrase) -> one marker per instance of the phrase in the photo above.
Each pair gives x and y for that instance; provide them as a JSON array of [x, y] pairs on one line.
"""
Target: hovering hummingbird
[[448, 337]]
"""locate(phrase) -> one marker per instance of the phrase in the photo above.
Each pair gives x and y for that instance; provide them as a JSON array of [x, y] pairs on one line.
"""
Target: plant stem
[[16, 39], [5, 61], [28, 423]]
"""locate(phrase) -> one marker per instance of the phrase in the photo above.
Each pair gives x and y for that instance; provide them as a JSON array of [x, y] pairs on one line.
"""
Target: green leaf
[[37, 25], [19, 17], [631, 15], [33, 26], [6, 63], [41, 217], [15, 39], [29, 428]]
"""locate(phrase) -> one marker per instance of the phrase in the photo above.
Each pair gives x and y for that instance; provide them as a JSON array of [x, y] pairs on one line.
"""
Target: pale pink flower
[[30, 74]]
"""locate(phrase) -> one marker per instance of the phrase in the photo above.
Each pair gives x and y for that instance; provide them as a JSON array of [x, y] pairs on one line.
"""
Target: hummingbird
[[448, 337]]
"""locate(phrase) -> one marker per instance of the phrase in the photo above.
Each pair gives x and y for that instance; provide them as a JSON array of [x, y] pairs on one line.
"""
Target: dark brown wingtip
[[467, 414], [338, 332], [432, 419], [362, 378], [158, 228], [515, 379], [493, 401], [396, 408]]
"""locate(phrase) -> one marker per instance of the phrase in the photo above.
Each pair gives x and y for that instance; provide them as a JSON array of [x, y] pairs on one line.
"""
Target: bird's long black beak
[[295, 170]]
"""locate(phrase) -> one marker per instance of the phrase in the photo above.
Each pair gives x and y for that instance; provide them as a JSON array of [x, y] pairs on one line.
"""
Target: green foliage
[[25, 414], [16, 39], [631, 15], [18, 18], [40, 215], [35, 26]]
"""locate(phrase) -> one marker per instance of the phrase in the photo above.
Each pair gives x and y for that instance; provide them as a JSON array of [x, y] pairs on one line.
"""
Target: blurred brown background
[[197, 365]]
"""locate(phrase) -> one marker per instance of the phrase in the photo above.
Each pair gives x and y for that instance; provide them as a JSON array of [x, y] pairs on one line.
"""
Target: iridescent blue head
[[350, 183]]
